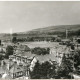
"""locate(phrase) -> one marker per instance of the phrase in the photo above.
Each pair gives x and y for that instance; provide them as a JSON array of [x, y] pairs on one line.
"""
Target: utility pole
[[66, 33], [11, 35]]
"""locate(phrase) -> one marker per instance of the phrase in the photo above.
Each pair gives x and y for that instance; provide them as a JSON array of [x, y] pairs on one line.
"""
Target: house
[[65, 42], [33, 64], [16, 71], [2, 49], [19, 62], [4, 72], [24, 57]]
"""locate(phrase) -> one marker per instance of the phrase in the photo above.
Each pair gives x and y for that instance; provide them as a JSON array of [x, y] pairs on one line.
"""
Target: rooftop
[[15, 68]]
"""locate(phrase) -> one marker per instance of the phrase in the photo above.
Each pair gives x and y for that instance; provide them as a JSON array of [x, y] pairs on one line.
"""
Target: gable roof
[[15, 68], [41, 58], [25, 54]]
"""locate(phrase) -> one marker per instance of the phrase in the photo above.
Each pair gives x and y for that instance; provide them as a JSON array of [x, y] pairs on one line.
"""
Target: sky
[[20, 16]]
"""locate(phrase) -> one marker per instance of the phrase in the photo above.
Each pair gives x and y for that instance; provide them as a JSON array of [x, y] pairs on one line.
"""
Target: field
[[41, 44]]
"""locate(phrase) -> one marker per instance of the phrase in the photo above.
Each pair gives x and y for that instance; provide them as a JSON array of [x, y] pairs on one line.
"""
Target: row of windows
[[17, 74]]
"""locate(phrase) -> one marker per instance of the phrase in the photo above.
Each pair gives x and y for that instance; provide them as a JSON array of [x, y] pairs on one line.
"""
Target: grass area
[[41, 44]]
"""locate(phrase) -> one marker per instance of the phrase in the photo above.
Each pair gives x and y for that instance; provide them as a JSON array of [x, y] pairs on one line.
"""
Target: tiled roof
[[15, 68], [41, 58], [26, 54]]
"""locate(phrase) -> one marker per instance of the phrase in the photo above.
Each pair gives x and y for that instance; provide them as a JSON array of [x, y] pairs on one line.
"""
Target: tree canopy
[[43, 71], [14, 39], [9, 51], [40, 51], [65, 68], [0, 42]]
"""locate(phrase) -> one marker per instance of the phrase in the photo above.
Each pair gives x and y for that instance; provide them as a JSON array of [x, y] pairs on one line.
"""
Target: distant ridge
[[43, 31], [60, 28]]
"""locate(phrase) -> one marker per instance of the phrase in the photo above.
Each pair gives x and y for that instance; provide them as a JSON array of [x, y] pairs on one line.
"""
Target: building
[[16, 70], [23, 60]]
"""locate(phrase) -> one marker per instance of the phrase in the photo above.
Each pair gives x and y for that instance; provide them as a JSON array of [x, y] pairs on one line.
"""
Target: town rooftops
[[41, 58], [47, 57]]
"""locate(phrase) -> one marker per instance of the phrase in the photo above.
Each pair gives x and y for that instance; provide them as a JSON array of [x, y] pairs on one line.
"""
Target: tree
[[78, 40], [43, 71], [40, 51], [78, 32], [14, 34], [9, 51], [0, 42], [72, 47], [48, 70], [14, 40], [77, 59], [1, 57], [65, 68], [35, 74]]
